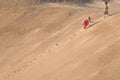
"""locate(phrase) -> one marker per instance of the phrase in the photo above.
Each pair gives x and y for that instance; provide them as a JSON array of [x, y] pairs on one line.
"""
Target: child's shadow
[[115, 13], [94, 23]]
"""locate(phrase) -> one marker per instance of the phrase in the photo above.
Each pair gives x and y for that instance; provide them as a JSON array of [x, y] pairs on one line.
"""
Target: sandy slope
[[47, 43]]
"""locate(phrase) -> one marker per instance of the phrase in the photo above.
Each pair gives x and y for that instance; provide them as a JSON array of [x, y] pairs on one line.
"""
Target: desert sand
[[46, 42]]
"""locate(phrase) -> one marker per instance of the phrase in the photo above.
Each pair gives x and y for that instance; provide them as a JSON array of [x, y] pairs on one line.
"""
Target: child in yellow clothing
[[106, 9]]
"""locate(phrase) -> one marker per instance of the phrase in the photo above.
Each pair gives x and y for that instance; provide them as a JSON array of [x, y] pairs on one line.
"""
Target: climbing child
[[86, 23], [106, 9]]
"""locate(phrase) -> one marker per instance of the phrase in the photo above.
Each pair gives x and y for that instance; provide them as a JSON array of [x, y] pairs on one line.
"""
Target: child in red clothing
[[85, 22]]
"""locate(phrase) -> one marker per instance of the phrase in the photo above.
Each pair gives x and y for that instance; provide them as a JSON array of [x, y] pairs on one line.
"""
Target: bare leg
[[84, 27], [108, 14], [104, 15]]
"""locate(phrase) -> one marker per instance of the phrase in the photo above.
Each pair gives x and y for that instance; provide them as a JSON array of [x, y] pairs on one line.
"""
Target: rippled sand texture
[[46, 42]]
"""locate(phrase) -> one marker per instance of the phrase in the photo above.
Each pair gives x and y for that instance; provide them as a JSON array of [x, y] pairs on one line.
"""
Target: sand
[[46, 42]]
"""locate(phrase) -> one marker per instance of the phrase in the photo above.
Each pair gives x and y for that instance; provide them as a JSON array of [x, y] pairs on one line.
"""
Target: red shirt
[[85, 22]]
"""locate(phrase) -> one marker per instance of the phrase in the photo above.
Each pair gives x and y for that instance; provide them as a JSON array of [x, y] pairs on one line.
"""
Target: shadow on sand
[[115, 13], [94, 23]]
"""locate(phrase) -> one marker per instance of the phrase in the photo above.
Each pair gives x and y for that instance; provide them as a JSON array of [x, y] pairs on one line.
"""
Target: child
[[106, 9], [85, 22]]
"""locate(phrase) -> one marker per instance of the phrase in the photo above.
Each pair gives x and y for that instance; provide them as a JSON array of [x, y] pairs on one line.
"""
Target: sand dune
[[46, 42]]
